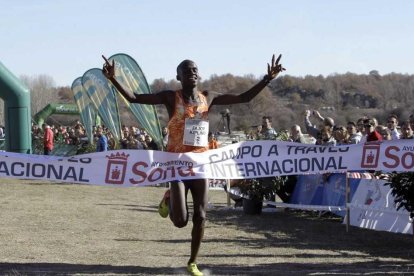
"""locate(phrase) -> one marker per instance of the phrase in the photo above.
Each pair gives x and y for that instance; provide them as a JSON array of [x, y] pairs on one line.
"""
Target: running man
[[189, 107]]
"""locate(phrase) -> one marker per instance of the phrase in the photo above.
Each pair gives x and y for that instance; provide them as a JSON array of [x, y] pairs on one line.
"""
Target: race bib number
[[196, 132]]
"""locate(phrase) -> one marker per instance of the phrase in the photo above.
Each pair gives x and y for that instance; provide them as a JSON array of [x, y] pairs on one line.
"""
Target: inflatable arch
[[41, 116], [17, 112]]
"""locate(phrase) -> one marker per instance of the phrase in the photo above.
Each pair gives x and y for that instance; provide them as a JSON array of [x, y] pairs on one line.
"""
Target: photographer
[[226, 115]]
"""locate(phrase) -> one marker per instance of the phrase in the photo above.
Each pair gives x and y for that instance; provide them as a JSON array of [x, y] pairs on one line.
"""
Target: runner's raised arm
[[273, 70], [109, 72]]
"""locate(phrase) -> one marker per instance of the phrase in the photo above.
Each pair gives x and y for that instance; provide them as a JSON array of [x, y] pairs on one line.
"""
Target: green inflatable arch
[[17, 112], [41, 116]]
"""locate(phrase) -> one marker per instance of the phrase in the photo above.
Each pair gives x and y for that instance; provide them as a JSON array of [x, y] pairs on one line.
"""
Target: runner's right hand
[[108, 69]]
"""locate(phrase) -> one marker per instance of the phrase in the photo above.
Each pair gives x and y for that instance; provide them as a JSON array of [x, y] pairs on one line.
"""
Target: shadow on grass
[[132, 207], [364, 268], [306, 231], [62, 268], [299, 230]]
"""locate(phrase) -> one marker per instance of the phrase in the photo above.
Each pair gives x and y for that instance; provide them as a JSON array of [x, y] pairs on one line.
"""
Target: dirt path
[[49, 229]]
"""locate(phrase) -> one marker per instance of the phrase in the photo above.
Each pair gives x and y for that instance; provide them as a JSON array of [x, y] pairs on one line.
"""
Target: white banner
[[250, 159], [373, 207]]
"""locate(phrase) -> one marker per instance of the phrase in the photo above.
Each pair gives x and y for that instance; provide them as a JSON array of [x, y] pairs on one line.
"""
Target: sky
[[64, 39]]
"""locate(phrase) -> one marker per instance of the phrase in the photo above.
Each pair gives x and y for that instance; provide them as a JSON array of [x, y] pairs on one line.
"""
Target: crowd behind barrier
[[72, 140], [322, 131], [327, 192], [313, 190]]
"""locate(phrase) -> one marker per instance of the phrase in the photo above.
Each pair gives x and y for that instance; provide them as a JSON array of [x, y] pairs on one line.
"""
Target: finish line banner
[[250, 159]]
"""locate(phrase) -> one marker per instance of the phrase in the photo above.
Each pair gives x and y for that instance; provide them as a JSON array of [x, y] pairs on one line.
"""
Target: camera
[[225, 112]]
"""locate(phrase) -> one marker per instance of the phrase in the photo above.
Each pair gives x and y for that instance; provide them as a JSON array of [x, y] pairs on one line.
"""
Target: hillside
[[345, 97]]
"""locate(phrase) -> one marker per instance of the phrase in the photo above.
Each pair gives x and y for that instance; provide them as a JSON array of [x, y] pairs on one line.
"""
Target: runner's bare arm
[[273, 70], [109, 72]]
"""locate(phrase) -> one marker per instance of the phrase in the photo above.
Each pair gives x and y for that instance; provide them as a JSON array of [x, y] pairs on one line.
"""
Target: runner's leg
[[178, 204], [199, 191]]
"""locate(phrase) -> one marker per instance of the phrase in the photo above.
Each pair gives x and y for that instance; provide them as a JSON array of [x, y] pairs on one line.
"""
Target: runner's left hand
[[274, 69]]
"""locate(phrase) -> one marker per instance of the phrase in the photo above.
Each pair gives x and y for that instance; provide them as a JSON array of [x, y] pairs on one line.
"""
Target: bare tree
[[42, 91]]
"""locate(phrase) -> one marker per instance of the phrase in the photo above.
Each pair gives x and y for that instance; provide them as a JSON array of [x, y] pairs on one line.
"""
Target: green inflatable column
[[17, 112]]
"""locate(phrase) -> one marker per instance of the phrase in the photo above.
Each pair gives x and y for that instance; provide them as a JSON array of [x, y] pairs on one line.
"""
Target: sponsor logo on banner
[[116, 168], [370, 156]]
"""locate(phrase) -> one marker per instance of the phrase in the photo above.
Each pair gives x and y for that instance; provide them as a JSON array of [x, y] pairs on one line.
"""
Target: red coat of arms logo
[[116, 168], [370, 156]]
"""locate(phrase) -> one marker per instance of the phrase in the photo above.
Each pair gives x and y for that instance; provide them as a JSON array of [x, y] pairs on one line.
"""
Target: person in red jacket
[[371, 133], [47, 139]]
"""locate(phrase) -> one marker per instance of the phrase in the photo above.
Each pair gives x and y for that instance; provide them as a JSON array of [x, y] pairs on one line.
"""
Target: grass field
[[49, 229]]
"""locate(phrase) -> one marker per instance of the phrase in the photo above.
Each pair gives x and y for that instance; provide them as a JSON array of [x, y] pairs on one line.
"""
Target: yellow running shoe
[[163, 208], [193, 270]]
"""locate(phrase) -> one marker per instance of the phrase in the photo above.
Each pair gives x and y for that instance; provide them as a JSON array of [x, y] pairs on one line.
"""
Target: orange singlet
[[177, 122]]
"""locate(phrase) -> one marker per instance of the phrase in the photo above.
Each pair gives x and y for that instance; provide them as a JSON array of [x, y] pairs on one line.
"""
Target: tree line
[[345, 97]]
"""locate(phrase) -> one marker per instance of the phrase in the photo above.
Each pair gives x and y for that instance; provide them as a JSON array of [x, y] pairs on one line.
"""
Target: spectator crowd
[[323, 130], [320, 131], [131, 137]]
